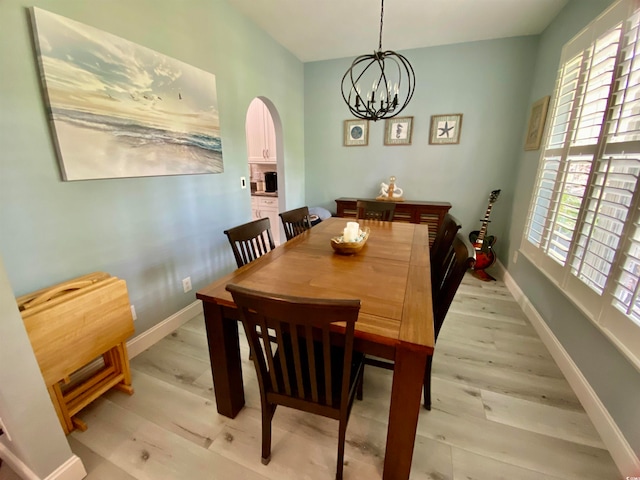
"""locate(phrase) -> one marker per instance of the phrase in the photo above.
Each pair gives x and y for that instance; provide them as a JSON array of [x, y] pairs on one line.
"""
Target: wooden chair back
[[371, 210], [295, 221], [442, 243], [290, 371], [460, 257], [250, 240], [303, 365]]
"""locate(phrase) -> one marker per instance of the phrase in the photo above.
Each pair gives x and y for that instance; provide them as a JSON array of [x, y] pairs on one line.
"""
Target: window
[[583, 226]]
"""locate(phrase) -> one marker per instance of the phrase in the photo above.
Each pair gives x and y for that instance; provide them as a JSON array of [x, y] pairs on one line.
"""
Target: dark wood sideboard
[[410, 211]]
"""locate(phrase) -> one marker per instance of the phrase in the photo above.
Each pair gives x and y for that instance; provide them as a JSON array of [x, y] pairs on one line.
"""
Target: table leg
[[406, 397], [224, 353]]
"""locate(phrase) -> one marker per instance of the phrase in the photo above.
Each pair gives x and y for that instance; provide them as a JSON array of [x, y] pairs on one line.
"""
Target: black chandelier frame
[[382, 100]]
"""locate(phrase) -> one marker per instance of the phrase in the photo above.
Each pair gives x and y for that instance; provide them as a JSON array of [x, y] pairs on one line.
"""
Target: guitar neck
[[485, 222]]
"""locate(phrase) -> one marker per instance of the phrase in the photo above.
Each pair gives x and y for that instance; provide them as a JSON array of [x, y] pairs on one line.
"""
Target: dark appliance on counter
[[270, 182]]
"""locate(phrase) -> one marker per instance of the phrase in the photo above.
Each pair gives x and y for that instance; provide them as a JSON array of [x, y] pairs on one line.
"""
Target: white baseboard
[[15, 464], [621, 452], [156, 333], [72, 469]]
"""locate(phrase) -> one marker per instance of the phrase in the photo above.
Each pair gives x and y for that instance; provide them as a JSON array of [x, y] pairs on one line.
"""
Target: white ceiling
[[324, 29]]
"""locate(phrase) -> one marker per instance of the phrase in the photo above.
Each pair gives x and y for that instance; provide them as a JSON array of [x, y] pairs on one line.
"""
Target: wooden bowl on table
[[350, 248]]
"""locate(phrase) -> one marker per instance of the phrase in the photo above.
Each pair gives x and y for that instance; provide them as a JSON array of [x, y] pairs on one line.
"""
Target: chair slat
[[297, 360], [311, 356], [326, 356], [282, 358], [267, 348]]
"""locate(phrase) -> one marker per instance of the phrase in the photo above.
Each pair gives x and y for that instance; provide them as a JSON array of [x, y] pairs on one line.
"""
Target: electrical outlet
[[186, 284], [243, 183], [515, 256], [133, 312]]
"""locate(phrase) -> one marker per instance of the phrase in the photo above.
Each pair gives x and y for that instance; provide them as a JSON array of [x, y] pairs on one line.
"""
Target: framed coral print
[[398, 131], [445, 129], [356, 133], [536, 124]]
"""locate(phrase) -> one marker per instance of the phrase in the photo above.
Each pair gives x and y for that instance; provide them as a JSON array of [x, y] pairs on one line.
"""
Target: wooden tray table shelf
[[78, 331]]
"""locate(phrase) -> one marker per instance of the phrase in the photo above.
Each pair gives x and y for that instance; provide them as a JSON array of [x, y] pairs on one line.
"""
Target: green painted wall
[[493, 83], [155, 231], [26, 410], [614, 379], [488, 82], [150, 231]]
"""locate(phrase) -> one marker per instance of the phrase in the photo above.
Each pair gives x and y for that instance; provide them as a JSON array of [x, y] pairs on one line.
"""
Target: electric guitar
[[483, 244]]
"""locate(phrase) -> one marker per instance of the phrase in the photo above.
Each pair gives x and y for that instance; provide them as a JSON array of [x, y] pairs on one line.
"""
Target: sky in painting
[[89, 70]]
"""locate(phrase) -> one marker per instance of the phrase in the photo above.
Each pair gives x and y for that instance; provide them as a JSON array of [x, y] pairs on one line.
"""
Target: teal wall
[[26, 410], [150, 231], [154, 231], [488, 82], [610, 374], [493, 83]]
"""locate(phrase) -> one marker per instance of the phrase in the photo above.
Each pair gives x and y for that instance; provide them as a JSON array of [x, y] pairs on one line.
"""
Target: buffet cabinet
[[412, 211]]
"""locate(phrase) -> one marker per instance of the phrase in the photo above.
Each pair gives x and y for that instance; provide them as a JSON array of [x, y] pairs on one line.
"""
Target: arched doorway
[[266, 175]]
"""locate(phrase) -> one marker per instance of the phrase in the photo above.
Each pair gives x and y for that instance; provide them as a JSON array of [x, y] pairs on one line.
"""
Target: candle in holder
[[351, 232], [355, 227]]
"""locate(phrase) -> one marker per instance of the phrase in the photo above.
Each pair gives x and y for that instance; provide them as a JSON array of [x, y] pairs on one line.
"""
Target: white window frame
[[597, 306]]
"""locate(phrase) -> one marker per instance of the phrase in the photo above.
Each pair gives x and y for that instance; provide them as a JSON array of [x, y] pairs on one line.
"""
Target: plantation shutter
[[583, 227], [622, 318]]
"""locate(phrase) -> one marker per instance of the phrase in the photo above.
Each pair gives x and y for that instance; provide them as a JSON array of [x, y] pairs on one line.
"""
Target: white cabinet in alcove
[[261, 134], [267, 207]]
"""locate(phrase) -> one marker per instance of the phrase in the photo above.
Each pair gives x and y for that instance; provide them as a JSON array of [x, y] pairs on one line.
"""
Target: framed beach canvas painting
[[118, 109]]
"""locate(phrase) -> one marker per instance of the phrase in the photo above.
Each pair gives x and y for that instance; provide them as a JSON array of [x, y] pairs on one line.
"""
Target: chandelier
[[391, 77]]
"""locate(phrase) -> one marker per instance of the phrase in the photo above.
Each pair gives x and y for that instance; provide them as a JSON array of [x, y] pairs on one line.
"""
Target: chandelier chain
[[381, 17]]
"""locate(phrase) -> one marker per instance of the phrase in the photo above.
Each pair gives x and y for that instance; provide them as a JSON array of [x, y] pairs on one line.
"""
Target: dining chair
[[251, 240], [460, 257], [372, 210], [312, 367], [295, 221], [442, 243]]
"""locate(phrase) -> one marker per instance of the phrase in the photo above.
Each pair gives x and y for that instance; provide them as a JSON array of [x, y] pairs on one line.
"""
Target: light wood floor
[[501, 410]]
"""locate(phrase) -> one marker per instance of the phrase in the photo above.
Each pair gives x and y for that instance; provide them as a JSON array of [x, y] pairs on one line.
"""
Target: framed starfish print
[[445, 129]]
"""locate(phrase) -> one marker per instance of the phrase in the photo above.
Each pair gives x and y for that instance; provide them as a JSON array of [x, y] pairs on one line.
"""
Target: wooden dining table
[[390, 275]]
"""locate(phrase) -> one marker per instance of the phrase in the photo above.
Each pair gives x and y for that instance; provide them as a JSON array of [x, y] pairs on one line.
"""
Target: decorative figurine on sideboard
[[391, 192]]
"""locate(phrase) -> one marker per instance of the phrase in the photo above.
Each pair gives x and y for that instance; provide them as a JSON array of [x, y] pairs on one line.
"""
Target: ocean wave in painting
[[136, 133], [133, 149]]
